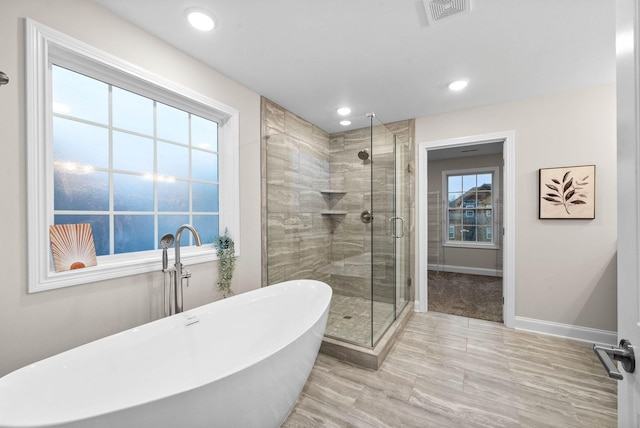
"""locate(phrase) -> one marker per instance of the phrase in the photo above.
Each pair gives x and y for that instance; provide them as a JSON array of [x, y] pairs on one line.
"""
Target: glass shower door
[[401, 224], [383, 250]]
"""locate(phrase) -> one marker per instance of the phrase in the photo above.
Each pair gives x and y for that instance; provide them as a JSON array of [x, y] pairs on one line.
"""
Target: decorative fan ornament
[[72, 246]]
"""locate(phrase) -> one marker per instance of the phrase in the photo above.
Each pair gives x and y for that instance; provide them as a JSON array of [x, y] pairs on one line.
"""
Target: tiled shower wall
[[295, 159], [302, 168], [352, 243]]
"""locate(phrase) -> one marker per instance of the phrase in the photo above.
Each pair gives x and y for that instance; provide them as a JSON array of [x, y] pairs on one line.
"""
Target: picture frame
[[567, 192], [72, 246]]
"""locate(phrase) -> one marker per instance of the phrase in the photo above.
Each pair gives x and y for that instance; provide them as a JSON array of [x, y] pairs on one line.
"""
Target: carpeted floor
[[472, 296]]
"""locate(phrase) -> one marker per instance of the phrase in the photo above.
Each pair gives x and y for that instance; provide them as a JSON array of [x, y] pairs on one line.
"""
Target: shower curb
[[371, 358]]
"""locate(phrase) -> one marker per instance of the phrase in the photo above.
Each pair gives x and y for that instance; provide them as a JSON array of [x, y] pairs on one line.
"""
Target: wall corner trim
[[567, 331]]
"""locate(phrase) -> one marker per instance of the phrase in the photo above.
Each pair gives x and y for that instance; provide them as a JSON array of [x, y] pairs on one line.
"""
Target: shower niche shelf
[[332, 198]]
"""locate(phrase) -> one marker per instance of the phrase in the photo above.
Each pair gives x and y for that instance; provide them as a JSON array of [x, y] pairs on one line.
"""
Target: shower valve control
[[186, 275], [366, 216]]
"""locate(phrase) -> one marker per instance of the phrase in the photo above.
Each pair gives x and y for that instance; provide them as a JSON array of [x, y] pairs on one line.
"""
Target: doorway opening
[[465, 230], [464, 211]]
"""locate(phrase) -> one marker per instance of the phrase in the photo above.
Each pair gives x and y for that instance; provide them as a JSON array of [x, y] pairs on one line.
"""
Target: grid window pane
[[455, 217], [172, 124], [205, 197], [470, 203], [79, 96], [484, 199], [468, 233], [124, 170], [132, 112], [207, 226], [76, 190], [132, 153], [133, 233], [455, 200], [484, 217], [204, 133], [173, 160], [468, 182], [484, 181], [132, 193], [455, 183], [173, 196], [204, 166], [484, 234], [80, 143]]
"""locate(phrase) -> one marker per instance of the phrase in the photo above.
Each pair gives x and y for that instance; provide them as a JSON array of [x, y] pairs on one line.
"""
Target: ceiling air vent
[[440, 9]]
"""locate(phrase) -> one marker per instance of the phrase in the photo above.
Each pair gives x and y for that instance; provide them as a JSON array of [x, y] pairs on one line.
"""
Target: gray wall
[[488, 259], [565, 270], [35, 326]]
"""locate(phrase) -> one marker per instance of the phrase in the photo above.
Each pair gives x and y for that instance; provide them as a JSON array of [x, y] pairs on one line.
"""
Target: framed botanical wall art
[[568, 192]]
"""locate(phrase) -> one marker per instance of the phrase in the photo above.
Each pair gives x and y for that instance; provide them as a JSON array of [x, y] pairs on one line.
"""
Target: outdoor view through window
[[132, 167], [470, 208]]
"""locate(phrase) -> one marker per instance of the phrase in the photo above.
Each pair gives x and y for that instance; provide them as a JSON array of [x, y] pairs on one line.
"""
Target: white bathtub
[[239, 362]]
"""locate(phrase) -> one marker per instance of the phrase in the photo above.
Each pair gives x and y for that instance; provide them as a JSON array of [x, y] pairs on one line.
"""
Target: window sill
[[118, 266], [471, 245]]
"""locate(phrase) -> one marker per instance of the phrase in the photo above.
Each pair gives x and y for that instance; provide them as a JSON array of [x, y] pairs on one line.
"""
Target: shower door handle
[[393, 227]]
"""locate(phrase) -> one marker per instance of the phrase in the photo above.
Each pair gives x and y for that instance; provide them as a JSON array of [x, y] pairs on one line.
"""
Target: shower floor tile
[[350, 319]]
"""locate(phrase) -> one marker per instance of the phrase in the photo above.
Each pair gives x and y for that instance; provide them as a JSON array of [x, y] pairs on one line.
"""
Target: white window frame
[[44, 46], [495, 189]]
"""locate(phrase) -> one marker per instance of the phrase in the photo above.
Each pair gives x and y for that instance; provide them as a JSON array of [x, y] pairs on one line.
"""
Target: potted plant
[[226, 254]]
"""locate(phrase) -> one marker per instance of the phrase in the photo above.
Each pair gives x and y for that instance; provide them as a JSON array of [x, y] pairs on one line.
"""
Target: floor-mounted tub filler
[[238, 362]]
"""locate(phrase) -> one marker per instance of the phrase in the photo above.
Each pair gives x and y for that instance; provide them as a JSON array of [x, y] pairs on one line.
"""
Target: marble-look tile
[[440, 374], [357, 180], [297, 126], [284, 147], [275, 226], [357, 139], [281, 199], [272, 116], [311, 201]]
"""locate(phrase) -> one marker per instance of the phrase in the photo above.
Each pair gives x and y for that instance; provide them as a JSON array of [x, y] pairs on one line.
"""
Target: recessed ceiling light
[[200, 20], [458, 85], [343, 111], [345, 122]]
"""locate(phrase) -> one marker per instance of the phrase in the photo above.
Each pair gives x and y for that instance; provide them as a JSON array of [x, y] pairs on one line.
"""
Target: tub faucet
[[179, 272]]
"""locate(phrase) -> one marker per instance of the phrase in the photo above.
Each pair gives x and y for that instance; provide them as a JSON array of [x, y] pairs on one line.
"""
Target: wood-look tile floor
[[450, 371]]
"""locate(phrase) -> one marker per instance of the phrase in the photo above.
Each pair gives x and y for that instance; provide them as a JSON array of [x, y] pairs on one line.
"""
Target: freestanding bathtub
[[238, 362]]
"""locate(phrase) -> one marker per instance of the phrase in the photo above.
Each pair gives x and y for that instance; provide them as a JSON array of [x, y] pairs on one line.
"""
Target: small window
[[471, 196], [132, 154]]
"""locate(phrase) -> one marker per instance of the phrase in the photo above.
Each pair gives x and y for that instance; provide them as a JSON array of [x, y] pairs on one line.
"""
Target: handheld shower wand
[[165, 242]]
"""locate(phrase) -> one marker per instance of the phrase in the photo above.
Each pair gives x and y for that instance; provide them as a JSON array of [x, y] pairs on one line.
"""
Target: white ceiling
[[383, 56]]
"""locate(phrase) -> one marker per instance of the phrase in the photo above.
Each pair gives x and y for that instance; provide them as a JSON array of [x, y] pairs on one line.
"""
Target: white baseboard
[[465, 269], [568, 331]]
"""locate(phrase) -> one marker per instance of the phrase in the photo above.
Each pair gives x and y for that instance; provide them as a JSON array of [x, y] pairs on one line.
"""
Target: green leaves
[[226, 254]]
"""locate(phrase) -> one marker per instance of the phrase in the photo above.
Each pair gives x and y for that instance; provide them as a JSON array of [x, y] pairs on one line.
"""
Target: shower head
[[363, 154]]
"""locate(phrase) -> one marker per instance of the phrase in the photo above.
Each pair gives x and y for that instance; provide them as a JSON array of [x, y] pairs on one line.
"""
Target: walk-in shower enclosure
[[338, 210]]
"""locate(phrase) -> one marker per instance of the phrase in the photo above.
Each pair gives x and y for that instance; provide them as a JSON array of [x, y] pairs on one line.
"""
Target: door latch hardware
[[623, 353]]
